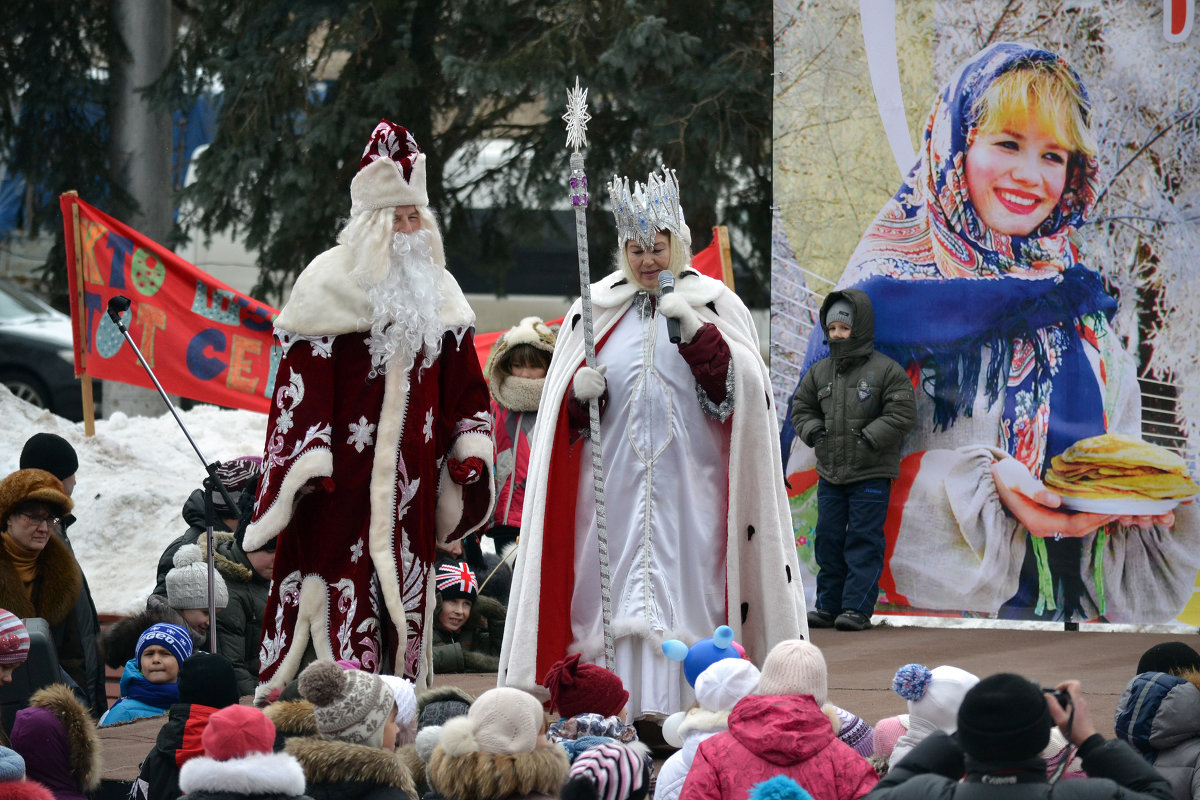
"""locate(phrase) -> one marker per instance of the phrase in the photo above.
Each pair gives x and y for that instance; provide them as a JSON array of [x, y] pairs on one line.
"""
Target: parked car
[[36, 357]]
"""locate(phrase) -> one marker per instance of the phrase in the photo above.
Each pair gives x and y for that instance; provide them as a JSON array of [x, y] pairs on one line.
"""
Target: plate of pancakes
[[1115, 473]]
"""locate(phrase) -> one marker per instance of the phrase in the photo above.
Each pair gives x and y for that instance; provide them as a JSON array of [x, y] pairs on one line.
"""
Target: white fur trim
[[701, 720], [592, 648], [256, 774], [458, 737], [450, 495], [312, 622], [316, 463], [381, 184]]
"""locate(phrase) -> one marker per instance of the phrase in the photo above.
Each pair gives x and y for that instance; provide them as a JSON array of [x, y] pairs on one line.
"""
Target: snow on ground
[[134, 476]]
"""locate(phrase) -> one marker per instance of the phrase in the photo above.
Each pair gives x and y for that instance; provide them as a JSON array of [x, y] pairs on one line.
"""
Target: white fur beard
[[405, 305]]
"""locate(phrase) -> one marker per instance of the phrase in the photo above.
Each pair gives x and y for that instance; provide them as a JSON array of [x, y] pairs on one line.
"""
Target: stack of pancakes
[[1116, 466]]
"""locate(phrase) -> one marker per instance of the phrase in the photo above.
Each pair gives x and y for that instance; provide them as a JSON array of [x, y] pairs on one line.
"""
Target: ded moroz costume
[[378, 440]]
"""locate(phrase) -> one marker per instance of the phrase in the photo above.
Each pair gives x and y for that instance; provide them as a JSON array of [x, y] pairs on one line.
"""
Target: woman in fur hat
[[353, 756], [59, 743], [498, 751]]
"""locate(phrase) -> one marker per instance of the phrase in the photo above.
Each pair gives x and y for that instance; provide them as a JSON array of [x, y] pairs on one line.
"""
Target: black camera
[[1061, 695]]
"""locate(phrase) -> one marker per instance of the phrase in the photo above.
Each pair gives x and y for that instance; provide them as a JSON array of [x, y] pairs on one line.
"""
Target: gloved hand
[[588, 384], [467, 471], [674, 306]]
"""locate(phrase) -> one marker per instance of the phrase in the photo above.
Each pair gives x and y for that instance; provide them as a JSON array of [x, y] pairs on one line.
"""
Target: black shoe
[[852, 621], [821, 619]]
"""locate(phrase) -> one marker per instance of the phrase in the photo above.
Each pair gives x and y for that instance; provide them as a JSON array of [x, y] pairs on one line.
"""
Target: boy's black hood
[[862, 332]]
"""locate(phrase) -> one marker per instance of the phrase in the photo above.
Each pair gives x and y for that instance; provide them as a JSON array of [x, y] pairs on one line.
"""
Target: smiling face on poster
[[1032, 487]]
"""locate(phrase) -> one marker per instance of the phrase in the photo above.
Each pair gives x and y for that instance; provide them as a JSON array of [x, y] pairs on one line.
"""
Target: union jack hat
[[457, 582]]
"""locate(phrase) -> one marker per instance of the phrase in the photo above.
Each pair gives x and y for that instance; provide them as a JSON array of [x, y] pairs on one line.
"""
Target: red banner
[[204, 340]]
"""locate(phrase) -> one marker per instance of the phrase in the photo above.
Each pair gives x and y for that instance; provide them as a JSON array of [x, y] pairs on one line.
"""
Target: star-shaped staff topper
[[577, 117]]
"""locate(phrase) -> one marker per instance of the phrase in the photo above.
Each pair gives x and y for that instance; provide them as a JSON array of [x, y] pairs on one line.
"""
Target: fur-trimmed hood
[[329, 762], [82, 738], [701, 720], [119, 642], [292, 718], [440, 694], [225, 557], [495, 776], [55, 590], [255, 774]]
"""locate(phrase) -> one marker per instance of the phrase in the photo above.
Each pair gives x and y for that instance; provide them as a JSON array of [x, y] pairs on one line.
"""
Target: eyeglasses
[[40, 519]]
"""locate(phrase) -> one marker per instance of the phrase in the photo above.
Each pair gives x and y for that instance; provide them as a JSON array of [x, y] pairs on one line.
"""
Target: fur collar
[[701, 720], [326, 761], [292, 717], [492, 776], [440, 694], [255, 774], [616, 289], [81, 732], [517, 394], [55, 590], [326, 299], [225, 548]]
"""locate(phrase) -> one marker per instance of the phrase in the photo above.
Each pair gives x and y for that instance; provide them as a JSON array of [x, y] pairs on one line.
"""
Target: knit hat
[[457, 582], [502, 720], [405, 696], [237, 731], [350, 705], [164, 634], [208, 679], [30, 485], [12, 766], [238, 476], [50, 452], [608, 771], [438, 706], [580, 688], [1173, 658], [724, 683], [187, 583], [1004, 717], [839, 311], [391, 172], [890, 729], [795, 666], [14, 639], [934, 695]]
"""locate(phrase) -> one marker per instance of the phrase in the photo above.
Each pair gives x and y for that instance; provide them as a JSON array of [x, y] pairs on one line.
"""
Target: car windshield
[[16, 305]]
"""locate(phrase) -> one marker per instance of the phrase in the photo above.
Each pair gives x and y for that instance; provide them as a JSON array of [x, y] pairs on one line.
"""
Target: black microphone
[[666, 286], [118, 306]]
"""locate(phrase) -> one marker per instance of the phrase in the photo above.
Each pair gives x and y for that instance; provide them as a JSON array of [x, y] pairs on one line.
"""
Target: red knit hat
[[237, 731], [577, 688]]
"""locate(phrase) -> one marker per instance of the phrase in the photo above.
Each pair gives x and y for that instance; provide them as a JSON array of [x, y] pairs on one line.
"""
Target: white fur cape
[[762, 569]]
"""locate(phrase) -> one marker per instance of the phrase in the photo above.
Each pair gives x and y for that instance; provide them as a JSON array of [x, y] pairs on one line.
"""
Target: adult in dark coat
[[239, 624], [1003, 724]]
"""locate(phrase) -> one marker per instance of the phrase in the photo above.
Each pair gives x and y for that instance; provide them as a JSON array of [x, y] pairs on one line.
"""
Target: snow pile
[[134, 476]]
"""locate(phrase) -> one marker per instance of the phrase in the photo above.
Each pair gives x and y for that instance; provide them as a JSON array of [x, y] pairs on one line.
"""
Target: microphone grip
[[673, 332], [666, 286]]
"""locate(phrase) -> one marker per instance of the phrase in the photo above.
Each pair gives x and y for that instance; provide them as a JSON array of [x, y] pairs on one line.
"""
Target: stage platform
[[861, 666]]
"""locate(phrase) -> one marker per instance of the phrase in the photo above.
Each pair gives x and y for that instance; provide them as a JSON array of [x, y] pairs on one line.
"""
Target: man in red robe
[[378, 440]]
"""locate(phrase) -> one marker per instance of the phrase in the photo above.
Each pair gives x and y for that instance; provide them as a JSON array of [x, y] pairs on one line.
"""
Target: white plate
[[1118, 505]]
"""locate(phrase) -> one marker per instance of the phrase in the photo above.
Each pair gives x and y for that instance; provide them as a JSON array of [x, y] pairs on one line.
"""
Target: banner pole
[[85, 380], [726, 255]]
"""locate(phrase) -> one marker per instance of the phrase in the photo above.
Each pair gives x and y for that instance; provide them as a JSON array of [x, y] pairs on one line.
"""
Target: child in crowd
[[933, 697], [852, 408], [781, 730], [206, 684], [468, 629], [239, 761], [591, 701], [718, 688], [187, 593], [610, 771], [498, 751], [516, 373], [353, 753], [59, 743], [149, 685], [14, 645]]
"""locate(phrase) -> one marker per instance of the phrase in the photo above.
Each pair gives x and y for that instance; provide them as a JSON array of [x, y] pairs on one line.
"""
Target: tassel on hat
[[349, 705]]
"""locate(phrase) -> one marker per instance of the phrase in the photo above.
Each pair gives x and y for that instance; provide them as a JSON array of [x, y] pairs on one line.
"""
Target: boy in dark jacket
[[852, 408], [1003, 724]]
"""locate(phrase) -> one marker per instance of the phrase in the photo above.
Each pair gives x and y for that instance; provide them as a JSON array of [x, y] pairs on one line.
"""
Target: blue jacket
[[140, 697]]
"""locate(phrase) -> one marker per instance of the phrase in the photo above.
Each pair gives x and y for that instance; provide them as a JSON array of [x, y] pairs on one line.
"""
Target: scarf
[[24, 562], [1014, 317], [137, 687]]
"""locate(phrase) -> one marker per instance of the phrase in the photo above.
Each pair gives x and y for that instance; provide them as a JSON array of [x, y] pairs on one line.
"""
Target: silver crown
[[650, 207]]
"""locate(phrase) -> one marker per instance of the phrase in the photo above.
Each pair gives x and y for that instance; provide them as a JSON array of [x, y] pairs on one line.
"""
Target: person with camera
[[1003, 724]]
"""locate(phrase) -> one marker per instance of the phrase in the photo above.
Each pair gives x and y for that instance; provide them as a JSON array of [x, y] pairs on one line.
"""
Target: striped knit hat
[[14, 639], [610, 771]]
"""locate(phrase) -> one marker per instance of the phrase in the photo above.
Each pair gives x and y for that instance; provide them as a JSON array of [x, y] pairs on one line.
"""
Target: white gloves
[[588, 384], [672, 305]]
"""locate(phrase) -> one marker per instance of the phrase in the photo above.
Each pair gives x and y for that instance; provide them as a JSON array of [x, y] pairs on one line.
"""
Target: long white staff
[[577, 119]]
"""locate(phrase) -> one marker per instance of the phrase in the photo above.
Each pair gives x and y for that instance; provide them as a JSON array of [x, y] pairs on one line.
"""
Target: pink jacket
[[773, 735], [510, 496]]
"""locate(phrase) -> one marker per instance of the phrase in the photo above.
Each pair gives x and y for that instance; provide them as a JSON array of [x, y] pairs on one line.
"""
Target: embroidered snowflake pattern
[[283, 423], [362, 434], [428, 429], [356, 551]]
